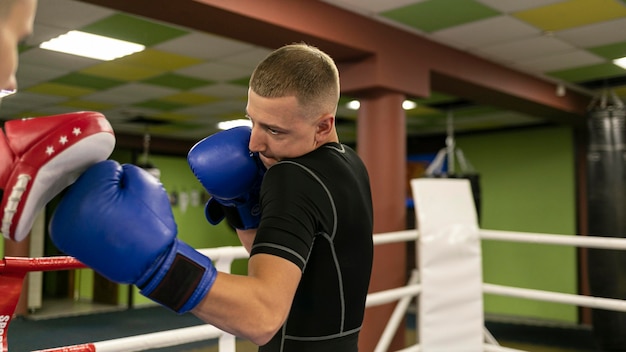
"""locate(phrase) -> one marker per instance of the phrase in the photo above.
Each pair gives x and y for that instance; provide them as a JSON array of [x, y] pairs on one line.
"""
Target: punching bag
[[606, 210], [444, 165]]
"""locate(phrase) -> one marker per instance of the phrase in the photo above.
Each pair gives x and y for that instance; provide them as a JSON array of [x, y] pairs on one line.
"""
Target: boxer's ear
[[325, 126]]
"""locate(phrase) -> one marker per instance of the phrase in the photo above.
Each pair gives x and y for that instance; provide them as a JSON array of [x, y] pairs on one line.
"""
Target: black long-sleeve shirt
[[317, 213]]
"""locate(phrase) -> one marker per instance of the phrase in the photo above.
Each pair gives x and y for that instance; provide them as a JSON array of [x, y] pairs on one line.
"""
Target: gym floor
[[92, 323]]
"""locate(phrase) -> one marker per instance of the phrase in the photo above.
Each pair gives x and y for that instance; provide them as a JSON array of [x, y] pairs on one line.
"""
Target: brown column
[[381, 143], [19, 249]]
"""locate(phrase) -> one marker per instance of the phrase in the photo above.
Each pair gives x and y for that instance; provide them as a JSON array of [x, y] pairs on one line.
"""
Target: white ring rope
[[487, 348], [394, 237], [143, 342], [566, 240], [565, 298], [392, 295], [159, 339]]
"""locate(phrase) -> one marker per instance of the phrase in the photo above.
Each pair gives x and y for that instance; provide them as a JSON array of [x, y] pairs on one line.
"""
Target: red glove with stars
[[39, 157]]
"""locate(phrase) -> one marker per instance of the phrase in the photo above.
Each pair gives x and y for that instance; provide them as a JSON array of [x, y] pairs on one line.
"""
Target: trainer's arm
[[253, 306]]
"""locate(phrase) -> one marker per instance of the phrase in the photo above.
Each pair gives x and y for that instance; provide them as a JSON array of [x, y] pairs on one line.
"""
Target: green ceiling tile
[[189, 98], [160, 105], [133, 29], [244, 81], [611, 51], [572, 13], [172, 80], [87, 105], [87, 81], [433, 15], [586, 73], [118, 71], [59, 89], [159, 60]]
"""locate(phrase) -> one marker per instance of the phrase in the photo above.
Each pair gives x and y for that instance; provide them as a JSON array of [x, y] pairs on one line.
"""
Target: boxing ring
[[448, 283]]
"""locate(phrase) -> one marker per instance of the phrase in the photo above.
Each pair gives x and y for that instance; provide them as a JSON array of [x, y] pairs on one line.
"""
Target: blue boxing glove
[[232, 175], [117, 220]]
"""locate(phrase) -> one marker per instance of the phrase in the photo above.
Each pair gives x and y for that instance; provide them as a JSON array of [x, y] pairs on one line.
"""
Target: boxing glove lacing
[[13, 201]]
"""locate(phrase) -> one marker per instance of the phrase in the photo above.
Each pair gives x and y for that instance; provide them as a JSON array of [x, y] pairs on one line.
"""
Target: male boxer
[[310, 248], [39, 157]]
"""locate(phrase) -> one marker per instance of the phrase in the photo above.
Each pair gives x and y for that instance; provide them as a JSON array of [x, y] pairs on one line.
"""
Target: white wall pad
[[450, 312]]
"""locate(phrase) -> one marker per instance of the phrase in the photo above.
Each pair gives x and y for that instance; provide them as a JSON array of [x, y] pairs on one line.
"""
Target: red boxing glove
[[39, 157]]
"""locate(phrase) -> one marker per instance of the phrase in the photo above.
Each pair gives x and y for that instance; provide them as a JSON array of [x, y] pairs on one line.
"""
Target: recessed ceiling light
[[621, 62], [225, 125], [406, 105], [409, 105], [91, 45], [354, 105], [6, 92]]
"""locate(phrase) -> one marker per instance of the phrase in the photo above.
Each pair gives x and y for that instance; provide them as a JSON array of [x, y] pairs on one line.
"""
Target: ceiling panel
[[187, 81]]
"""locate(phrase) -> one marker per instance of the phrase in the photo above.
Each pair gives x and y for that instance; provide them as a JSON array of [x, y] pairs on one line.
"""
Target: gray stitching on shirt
[[322, 338], [340, 278], [340, 150], [283, 248]]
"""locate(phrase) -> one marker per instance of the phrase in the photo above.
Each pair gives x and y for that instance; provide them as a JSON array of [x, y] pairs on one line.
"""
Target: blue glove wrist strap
[[180, 280]]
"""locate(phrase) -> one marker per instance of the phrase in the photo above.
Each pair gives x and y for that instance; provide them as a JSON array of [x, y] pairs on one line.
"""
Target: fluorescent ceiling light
[[225, 125], [406, 105], [354, 105], [409, 105], [621, 62], [6, 92], [91, 45]]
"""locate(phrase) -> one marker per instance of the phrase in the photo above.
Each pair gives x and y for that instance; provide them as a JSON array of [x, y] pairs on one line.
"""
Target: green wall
[[528, 185]]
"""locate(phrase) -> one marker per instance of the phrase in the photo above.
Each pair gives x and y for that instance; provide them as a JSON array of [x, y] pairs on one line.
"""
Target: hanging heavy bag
[[606, 212], [443, 166]]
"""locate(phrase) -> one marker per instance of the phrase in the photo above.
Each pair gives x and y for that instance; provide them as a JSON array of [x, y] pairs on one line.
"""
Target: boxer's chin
[[267, 162]]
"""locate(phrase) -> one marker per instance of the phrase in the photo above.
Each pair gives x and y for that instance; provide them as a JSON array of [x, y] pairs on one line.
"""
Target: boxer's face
[[279, 129], [17, 25]]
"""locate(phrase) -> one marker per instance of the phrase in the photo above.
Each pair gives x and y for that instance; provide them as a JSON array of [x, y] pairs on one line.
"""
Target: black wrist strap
[[178, 284], [232, 217]]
